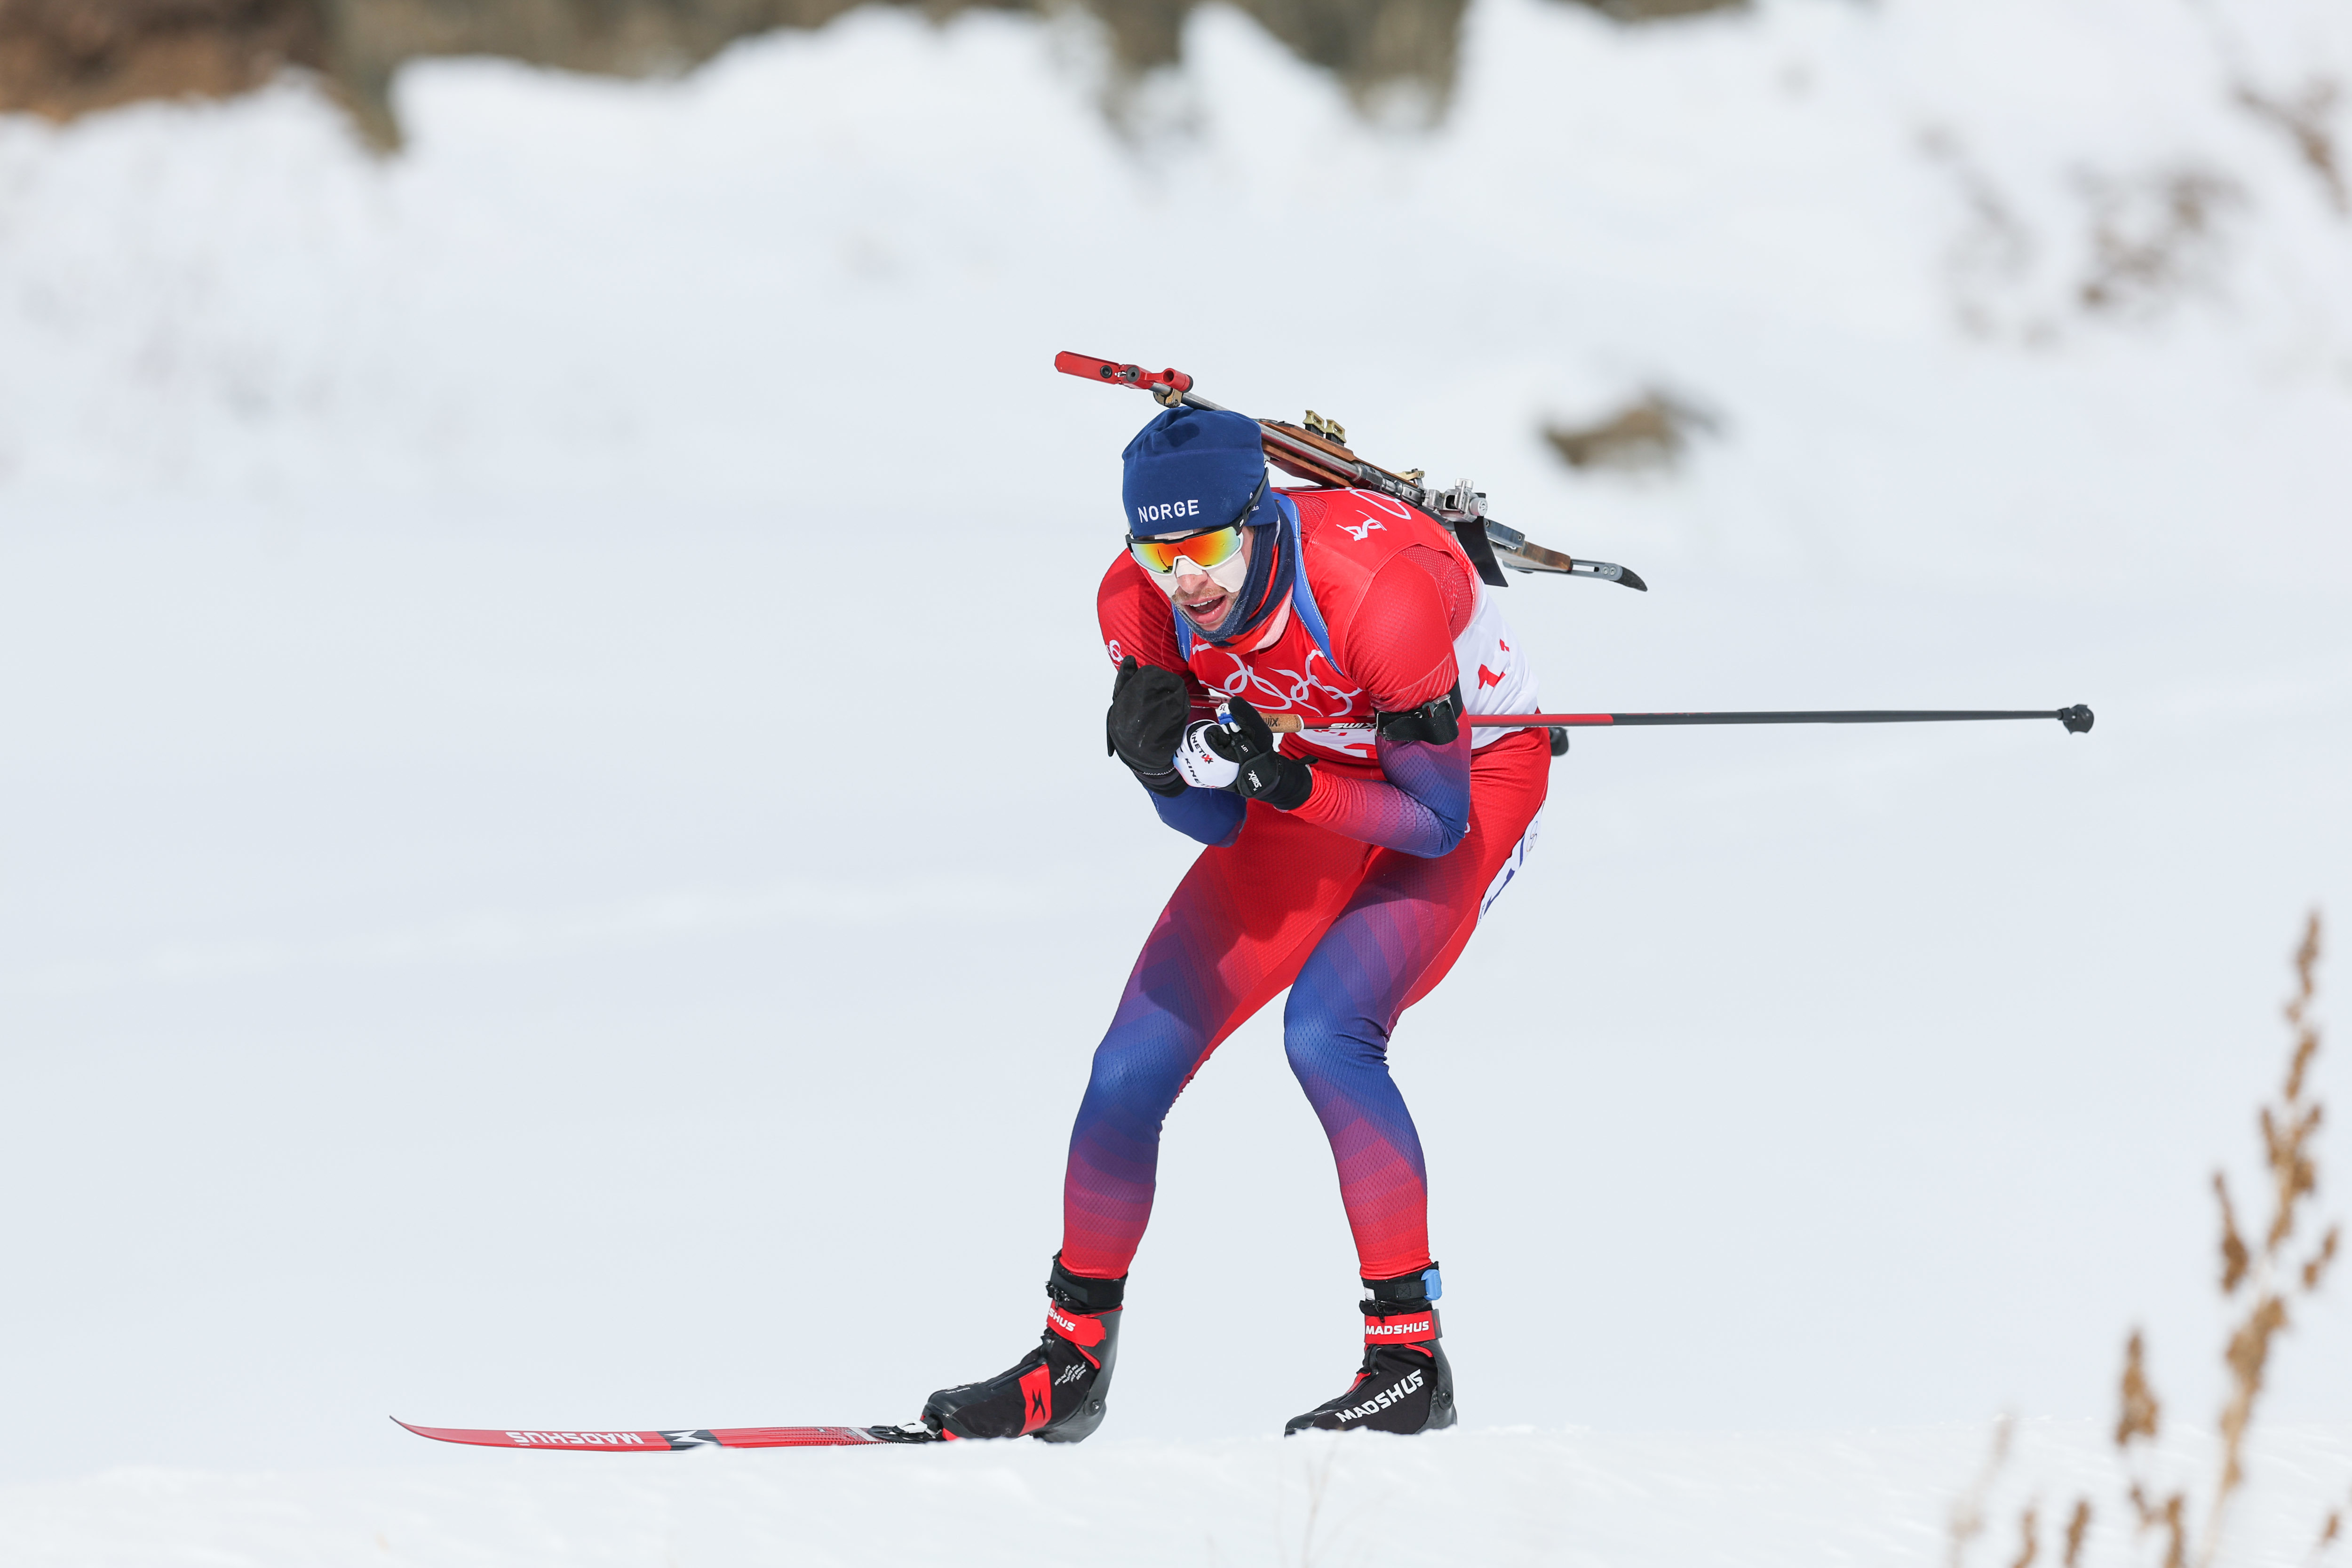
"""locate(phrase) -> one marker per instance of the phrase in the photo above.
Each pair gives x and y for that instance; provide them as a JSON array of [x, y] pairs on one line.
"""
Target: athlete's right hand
[[1260, 771], [1149, 707]]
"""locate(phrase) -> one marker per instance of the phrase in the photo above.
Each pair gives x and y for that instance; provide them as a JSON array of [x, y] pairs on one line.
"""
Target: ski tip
[[2077, 719], [446, 1434], [674, 1440]]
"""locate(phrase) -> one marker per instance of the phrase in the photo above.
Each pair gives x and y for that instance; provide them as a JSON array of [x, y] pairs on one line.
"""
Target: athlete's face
[[1201, 596]]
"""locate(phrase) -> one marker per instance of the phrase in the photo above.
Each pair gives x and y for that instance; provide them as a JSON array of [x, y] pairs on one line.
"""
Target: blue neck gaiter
[[1273, 564]]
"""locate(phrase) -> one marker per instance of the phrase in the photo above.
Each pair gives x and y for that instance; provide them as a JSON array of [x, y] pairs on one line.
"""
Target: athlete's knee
[[1143, 1067], [1324, 1038]]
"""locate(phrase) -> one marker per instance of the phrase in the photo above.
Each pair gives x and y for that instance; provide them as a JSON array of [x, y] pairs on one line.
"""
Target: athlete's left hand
[[1282, 782], [1146, 723]]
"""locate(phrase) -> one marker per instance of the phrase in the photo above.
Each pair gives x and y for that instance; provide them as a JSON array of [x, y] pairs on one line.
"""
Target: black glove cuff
[[1169, 783], [1282, 782], [1297, 782]]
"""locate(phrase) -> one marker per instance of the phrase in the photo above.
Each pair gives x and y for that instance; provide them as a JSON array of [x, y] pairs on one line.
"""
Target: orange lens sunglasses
[[1209, 548]]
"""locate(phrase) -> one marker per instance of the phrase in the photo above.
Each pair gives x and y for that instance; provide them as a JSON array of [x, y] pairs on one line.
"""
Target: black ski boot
[[1056, 1391], [1405, 1385]]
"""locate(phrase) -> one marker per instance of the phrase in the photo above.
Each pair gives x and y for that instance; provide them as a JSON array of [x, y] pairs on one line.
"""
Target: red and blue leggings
[[1359, 934]]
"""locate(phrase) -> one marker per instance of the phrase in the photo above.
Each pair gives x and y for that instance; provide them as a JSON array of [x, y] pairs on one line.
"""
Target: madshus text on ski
[[1317, 683]]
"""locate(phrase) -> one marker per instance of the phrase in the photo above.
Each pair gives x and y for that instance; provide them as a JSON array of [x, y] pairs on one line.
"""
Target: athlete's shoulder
[[1359, 526], [1136, 616], [1353, 515], [1123, 576], [1347, 536]]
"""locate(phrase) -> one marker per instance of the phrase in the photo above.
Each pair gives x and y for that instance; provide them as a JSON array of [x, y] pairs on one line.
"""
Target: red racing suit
[[1358, 901]]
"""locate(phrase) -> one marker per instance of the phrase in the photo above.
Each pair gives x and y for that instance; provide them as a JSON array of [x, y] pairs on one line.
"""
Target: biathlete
[[1347, 864]]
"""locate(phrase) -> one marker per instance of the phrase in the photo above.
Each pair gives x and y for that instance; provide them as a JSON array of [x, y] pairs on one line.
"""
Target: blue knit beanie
[[1194, 468]]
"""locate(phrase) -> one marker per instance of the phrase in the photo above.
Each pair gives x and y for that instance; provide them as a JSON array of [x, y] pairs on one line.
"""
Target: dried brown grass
[[2154, 239], [2078, 1525], [2267, 1279], [1652, 433], [2305, 119], [2260, 1281], [1968, 1511], [1993, 253], [2029, 1532], [2328, 1531]]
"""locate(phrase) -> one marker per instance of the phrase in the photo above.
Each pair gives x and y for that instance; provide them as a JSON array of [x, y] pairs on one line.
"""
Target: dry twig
[[2269, 1277], [2076, 1529], [2305, 119], [1968, 1511], [2028, 1531], [2141, 1409]]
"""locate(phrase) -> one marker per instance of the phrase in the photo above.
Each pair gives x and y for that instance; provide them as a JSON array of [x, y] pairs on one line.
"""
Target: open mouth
[[1209, 611]]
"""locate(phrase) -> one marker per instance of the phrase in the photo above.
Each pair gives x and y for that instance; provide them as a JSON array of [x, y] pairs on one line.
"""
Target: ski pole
[[2077, 718]]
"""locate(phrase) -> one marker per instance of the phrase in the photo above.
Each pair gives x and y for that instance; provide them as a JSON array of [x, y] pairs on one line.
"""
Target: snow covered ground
[[555, 866], [1501, 1497]]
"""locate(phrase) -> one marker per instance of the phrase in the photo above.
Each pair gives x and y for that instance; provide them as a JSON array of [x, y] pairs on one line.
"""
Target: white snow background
[[557, 869]]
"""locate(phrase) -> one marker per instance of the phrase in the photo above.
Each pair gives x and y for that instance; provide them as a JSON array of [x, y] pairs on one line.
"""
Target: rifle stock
[[1317, 452]]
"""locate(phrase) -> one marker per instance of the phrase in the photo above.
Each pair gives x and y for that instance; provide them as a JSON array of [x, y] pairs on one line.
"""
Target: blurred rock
[[373, 38], [1658, 10], [64, 57]]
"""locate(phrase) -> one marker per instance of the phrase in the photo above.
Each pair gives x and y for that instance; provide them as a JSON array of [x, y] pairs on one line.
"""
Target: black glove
[[1149, 707], [1282, 782]]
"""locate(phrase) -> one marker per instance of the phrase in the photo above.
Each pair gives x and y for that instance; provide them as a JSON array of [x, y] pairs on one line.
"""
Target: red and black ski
[[671, 1441]]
